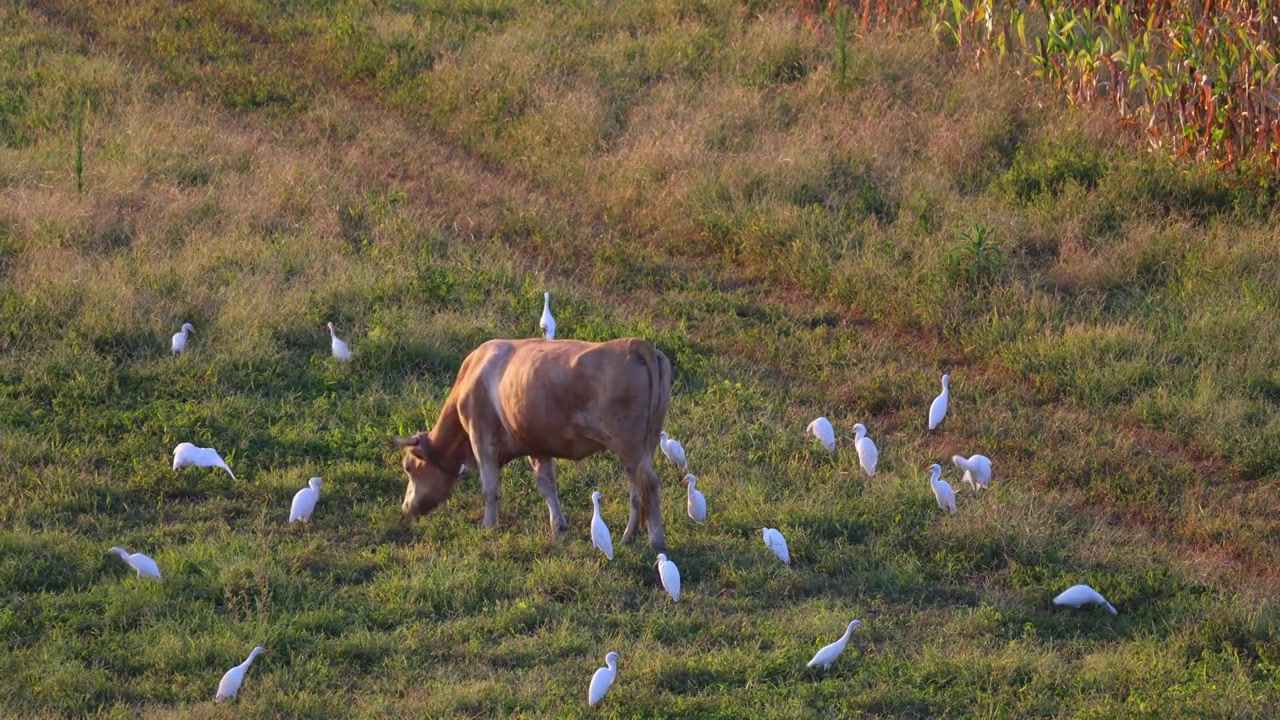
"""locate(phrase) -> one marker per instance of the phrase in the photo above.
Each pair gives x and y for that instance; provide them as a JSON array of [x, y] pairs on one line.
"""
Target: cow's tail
[[659, 393], [659, 398]]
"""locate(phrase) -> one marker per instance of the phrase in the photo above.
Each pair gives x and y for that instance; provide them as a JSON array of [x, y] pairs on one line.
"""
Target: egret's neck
[[121, 552], [256, 652]]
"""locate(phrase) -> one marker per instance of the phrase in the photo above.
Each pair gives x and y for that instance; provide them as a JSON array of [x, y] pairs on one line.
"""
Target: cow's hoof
[[561, 529], [628, 536]]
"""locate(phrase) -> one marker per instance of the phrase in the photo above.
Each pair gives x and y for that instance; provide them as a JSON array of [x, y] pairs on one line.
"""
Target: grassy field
[[419, 172]]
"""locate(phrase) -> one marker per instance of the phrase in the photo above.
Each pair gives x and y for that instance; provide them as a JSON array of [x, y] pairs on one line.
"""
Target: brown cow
[[546, 399]]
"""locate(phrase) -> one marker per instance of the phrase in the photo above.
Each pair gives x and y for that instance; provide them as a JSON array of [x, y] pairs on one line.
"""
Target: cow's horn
[[405, 442]]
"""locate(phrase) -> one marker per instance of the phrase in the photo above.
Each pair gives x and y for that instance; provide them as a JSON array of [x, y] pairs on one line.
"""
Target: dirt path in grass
[[473, 198]]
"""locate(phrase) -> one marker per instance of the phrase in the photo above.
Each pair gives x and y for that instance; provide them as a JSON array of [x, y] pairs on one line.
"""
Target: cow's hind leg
[[545, 467], [633, 518], [646, 505], [657, 534]]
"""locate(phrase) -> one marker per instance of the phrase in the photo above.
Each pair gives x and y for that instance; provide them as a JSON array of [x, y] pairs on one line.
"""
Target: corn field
[[1197, 78]]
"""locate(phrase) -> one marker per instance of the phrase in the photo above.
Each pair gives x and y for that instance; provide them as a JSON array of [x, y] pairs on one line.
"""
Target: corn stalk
[[1198, 78]]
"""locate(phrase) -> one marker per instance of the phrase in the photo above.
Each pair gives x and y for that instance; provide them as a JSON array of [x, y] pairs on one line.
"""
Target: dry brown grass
[[679, 208]]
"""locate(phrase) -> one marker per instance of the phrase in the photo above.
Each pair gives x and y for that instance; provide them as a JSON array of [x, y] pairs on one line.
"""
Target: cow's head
[[429, 483]]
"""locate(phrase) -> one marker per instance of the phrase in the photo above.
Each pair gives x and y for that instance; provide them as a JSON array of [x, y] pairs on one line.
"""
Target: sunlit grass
[[420, 178]]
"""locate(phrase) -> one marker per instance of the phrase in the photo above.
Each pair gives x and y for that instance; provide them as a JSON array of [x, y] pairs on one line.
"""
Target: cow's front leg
[[490, 473], [545, 468]]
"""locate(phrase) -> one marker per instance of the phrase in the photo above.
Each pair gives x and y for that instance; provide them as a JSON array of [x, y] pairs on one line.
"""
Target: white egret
[[548, 322], [1078, 595], [777, 544], [304, 501], [145, 566], [696, 503], [185, 455], [673, 450], [977, 470], [670, 576], [340, 349], [821, 429], [942, 489], [827, 655], [599, 531], [179, 342], [602, 679], [229, 687], [868, 455], [938, 409]]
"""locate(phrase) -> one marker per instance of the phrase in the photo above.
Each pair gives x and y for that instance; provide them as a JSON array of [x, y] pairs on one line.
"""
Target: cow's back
[[568, 398]]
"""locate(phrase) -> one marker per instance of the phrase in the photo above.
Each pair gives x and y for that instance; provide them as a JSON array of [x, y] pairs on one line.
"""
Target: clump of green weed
[[840, 21], [977, 260], [1033, 174], [79, 156]]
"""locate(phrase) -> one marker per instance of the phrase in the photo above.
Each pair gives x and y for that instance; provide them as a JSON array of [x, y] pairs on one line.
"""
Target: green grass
[[419, 172]]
